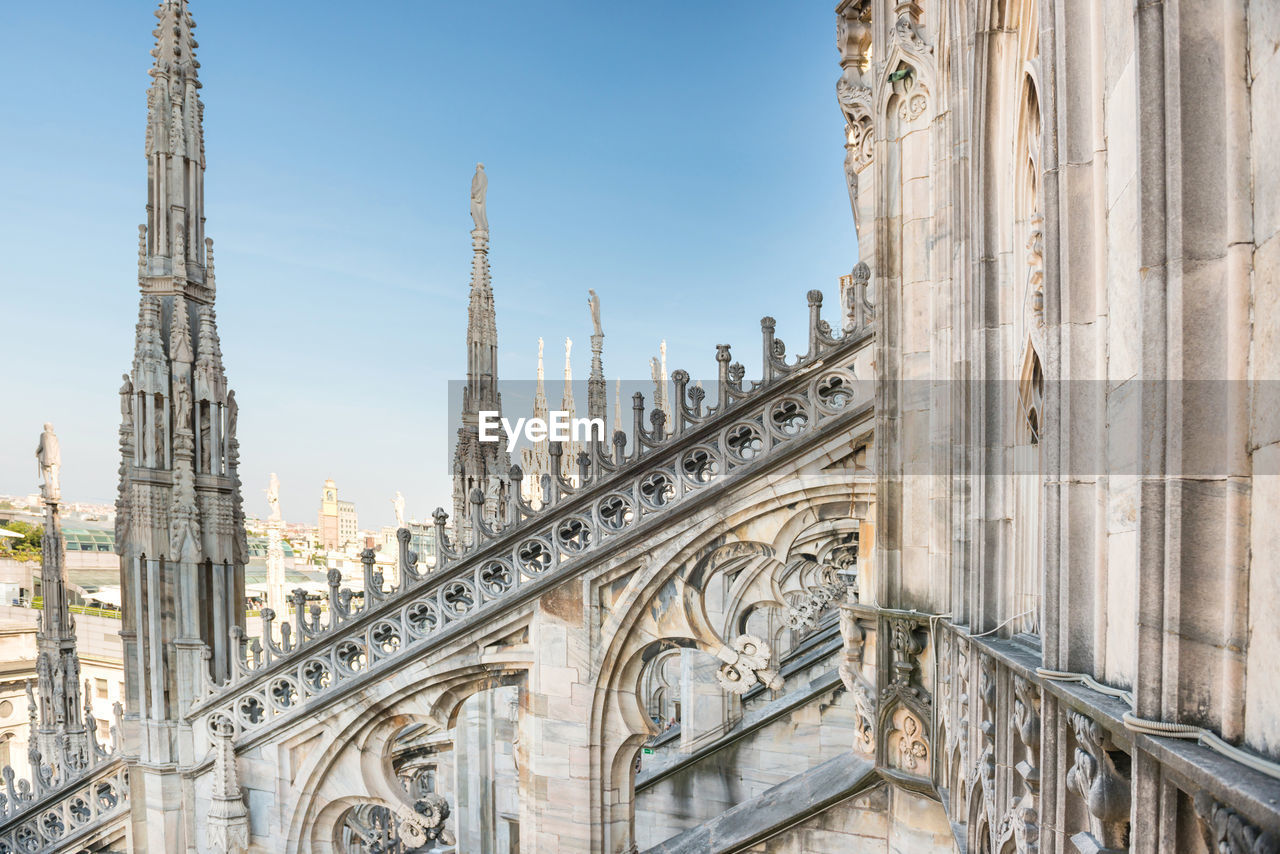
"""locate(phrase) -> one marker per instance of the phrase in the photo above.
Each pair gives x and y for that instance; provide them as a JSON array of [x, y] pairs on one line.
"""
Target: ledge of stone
[[750, 722], [776, 809]]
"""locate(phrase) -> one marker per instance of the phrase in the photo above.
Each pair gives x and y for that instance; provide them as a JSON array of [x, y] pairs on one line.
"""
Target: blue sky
[[683, 159]]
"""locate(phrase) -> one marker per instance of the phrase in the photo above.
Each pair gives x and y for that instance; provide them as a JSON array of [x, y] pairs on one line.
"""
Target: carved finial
[[617, 405], [142, 250], [228, 819]]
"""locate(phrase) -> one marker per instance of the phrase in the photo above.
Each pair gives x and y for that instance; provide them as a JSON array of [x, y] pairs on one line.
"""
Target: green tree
[[25, 548]]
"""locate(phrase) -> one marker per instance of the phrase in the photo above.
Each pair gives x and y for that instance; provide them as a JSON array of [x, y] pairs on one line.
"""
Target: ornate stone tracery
[[1225, 831]]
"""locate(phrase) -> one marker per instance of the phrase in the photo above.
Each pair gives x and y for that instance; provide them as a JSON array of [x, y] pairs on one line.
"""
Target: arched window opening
[[1029, 491]]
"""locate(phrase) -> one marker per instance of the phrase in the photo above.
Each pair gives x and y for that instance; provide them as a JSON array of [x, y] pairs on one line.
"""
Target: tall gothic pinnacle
[[566, 402], [60, 731], [540, 395], [175, 50], [482, 326], [180, 535], [172, 251], [596, 393]]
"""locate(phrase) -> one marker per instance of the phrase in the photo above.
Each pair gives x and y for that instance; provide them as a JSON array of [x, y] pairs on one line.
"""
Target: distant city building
[[338, 524], [387, 539]]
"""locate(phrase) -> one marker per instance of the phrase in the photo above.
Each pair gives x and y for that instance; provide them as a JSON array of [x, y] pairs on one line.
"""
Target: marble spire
[[535, 460], [277, 596], [59, 731], [572, 448], [482, 326], [179, 511], [617, 405], [479, 465], [566, 400], [596, 393], [540, 395], [173, 240]]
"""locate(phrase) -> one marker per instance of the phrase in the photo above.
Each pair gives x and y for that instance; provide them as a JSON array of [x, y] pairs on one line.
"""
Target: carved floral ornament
[[909, 750], [746, 664], [913, 96], [905, 707], [855, 103]]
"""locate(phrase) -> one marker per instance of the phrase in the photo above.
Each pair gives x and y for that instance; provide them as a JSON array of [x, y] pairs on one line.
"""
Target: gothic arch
[[363, 740], [616, 707]]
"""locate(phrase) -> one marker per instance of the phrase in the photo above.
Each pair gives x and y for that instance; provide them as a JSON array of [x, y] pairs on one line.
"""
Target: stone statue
[[273, 497], [594, 302], [49, 457], [126, 402], [44, 676], [479, 185], [233, 415], [182, 399], [493, 496], [59, 688], [398, 504]]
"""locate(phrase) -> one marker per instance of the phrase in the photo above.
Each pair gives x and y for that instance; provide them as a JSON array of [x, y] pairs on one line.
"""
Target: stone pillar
[[702, 699], [555, 760], [474, 748], [276, 597]]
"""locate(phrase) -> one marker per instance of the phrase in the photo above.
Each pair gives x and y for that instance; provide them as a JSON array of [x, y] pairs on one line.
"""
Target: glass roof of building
[[78, 539], [88, 539]]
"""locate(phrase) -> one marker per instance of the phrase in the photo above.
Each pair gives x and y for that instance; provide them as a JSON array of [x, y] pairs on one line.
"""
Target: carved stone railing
[[282, 671], [1000, 717], [66, 812], [49, 803]]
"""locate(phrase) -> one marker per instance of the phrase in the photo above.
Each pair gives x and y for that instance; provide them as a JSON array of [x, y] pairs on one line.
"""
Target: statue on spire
[[273, 497], [594, 302], [479, 186], [397, 504], [49, 457]]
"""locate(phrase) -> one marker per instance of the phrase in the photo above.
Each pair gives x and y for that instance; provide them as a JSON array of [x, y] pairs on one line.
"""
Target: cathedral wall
[[1262, 701], [745, 767], [886, 819], [1118, 312], [485, 784]]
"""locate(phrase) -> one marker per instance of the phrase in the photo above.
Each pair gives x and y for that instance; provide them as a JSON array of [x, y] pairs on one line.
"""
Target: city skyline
[[340, 354]]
